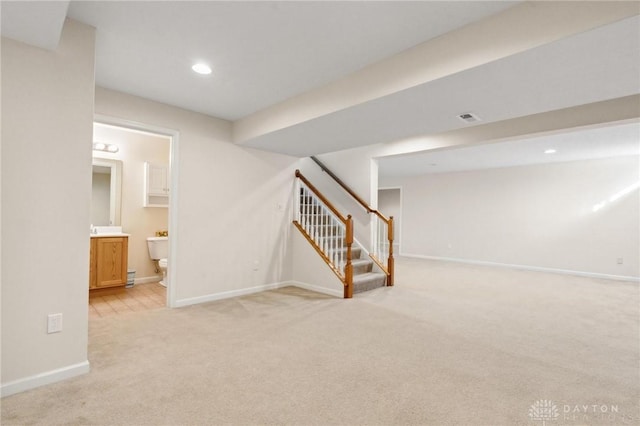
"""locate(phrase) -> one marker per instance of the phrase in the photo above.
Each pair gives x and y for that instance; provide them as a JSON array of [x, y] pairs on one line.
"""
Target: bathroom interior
[[129, 221]]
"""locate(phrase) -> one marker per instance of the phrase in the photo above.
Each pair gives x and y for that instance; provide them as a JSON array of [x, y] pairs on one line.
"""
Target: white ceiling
[[585, 144], [261, 52], [585, 68], [265, 52], [38, 23]]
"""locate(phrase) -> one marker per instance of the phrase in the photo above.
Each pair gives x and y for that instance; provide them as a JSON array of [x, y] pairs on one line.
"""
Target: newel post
[[348, 268], [390, 261]]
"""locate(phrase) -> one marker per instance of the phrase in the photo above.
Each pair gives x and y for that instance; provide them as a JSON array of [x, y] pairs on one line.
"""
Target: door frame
[[174, 144]]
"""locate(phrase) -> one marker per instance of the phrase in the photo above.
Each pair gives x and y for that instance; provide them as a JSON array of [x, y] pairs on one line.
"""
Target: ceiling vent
[[469, 117]]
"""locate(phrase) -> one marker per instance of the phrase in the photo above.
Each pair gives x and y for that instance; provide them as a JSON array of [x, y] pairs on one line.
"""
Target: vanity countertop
[[107, 231]]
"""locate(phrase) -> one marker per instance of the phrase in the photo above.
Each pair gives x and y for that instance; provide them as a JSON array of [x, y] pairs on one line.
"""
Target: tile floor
[[140, 297]]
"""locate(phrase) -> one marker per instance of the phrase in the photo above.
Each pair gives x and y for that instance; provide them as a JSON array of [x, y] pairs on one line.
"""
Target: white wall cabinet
[[156, 185]]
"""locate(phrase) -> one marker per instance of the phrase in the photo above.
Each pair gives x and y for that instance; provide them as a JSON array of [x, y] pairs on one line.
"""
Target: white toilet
[[158, 252]]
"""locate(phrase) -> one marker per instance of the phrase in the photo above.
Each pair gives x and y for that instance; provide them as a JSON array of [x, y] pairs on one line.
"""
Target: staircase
[[331, 235], [364, 278]]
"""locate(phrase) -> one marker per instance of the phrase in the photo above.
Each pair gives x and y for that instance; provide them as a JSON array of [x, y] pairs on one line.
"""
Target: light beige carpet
[[450, 344]]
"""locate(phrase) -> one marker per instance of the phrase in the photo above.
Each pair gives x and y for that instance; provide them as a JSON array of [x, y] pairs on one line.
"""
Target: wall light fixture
[[106, 147]]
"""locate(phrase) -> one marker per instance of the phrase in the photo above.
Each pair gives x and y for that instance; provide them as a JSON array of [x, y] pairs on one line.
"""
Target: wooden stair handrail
[[342, 184], [389, 267], [347, 278], [349, 191], [322, 197]]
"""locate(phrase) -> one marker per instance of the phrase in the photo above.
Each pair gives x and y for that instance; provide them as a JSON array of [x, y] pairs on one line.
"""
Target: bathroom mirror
[[106, 188]]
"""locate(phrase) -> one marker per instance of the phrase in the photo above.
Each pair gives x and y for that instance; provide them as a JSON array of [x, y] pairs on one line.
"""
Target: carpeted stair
[[364, 277]]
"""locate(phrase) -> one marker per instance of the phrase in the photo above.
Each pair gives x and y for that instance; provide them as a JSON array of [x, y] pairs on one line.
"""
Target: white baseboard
[[146, 280], [228, 294], [244, 291], [318, 289], [68, 372], [45, 378], [526, 267]]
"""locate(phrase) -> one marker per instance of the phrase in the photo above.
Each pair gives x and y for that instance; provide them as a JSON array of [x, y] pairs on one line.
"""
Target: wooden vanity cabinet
[[108, 262]]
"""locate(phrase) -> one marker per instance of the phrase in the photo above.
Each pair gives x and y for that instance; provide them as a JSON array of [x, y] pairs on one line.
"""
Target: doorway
[[139, 149]]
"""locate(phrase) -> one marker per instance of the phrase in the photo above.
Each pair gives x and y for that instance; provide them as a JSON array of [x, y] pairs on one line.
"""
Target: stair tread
[[364, 279], [368, 281], [369, 276]]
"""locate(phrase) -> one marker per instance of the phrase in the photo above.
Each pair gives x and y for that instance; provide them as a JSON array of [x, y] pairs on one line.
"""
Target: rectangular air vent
[[469, 117]]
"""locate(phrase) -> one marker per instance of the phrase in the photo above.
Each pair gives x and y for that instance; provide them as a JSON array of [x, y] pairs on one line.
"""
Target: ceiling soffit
[[38, 23], [516, 30]]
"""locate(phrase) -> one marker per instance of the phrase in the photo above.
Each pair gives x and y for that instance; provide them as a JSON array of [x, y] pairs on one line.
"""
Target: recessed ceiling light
[[550, 151], [201, 68]]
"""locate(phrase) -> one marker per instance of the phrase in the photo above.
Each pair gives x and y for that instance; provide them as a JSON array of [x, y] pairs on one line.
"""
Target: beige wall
[[309, 270], [539, 216], [233, 216], [233, 204], [47, 115], [356, 168], [138, 221]]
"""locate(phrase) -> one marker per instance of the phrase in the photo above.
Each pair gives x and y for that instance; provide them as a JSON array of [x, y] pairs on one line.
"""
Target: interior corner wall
[[562, 216], [47, 115], [234, 204]]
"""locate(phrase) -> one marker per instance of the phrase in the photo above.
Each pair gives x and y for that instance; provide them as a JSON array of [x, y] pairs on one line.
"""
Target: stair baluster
[[332, 236], [382, 227], [326, 229]]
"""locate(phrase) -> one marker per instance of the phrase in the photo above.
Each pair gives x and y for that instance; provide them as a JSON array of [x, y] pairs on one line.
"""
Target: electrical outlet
[[54, 323], [620, 261], [256, 265]]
